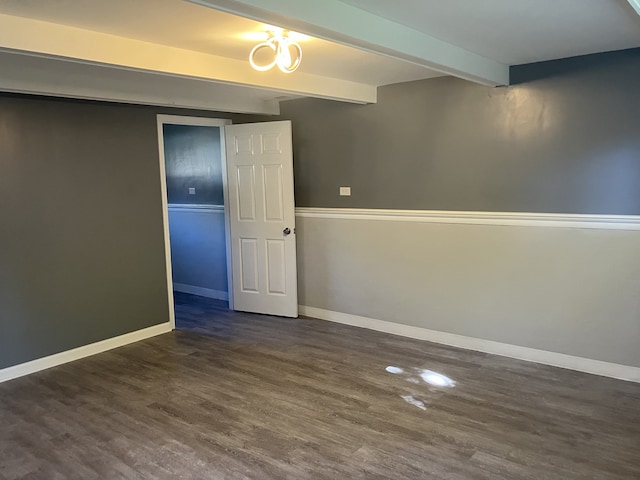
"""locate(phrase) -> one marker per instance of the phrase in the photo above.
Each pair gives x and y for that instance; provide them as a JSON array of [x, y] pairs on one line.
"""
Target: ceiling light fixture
[[287, 53]]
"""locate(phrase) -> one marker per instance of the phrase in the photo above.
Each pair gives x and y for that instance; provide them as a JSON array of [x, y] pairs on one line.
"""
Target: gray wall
[[566, 141], [81, 244], [81, 239], [192, 159], [563, 140]]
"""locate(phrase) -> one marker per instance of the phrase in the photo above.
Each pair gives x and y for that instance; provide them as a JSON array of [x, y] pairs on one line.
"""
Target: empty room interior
[[292, 239]]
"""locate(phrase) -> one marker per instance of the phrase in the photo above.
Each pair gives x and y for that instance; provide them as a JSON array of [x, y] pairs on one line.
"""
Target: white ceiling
[[177, 52], [518, 31], [194, 27]]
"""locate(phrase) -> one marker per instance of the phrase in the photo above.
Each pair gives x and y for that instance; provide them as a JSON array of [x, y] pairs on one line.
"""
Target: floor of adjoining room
[[239, 396]]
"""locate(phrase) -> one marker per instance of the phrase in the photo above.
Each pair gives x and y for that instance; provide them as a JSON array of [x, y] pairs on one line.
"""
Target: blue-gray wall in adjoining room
[[192, 159], [198, 250]]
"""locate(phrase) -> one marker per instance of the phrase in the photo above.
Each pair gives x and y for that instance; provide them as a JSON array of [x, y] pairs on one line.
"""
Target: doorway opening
[[256, 173], [193, 170]]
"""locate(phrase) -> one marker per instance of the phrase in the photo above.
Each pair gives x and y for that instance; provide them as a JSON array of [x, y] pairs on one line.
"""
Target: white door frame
[[202, 122]]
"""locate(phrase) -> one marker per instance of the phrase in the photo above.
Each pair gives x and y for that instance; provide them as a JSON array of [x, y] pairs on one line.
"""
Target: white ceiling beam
[[33, 37], [345, 24], [636, 5], [59, 78]]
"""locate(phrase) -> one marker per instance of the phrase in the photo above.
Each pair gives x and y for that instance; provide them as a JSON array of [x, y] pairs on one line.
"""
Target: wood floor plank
[[238, 396]]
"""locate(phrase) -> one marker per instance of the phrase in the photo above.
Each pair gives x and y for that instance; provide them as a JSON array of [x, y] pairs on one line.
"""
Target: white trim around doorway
[[194, 121]]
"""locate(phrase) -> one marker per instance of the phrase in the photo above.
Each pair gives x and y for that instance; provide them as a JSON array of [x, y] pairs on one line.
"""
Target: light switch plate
[[345, 191], [192, 191]]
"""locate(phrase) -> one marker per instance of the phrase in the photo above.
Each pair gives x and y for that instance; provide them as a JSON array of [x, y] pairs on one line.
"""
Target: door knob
[[286, 231]]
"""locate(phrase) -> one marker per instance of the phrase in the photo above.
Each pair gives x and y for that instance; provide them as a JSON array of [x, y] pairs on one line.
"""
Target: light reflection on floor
[[413, 401], [395, 370], [436, 379], [414, 376]]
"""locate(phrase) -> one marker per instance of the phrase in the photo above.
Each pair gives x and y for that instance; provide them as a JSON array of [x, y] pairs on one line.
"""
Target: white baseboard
[[587, 365], [39, 364], [201, 291]]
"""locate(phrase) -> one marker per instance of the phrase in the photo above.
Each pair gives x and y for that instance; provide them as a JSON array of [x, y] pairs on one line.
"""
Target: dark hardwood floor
[[237, 396]]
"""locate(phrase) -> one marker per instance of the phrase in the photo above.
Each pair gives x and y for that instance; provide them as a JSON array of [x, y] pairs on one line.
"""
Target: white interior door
[[262, 218]]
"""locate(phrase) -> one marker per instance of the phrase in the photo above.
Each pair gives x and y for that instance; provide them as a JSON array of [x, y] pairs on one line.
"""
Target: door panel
[[273, 204], [262, 218], [276, 274], [246, 192], [249, 264]]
